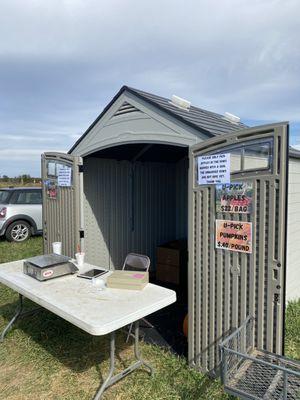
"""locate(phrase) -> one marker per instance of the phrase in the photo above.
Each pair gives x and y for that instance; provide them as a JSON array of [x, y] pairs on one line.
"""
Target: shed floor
[[168, 324]]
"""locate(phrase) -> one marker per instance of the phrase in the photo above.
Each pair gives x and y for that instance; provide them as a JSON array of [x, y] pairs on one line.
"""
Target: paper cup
[[56, 246], [79, 259]]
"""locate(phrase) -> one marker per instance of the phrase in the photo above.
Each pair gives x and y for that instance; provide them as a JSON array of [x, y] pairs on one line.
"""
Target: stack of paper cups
[[56, 246], [80, 259]]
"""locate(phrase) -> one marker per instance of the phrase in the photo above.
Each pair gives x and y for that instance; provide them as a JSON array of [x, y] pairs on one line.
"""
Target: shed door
[[226, 285], [62, 205]]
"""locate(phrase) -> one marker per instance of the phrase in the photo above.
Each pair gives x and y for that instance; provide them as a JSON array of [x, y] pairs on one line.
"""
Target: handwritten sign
[[234, 197], [234, 235], [214, 169], [64, 177]]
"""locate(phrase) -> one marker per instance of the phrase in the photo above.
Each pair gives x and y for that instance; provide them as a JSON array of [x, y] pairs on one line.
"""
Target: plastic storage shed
[[131, 192]]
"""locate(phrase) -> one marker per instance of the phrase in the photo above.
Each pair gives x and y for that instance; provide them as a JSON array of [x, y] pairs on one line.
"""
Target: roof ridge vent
[[181, 103], [232, 118]]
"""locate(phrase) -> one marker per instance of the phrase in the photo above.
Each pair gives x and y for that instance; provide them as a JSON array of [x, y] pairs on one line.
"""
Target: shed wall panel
[[226, 286], [132, 207], [108, 212], [293, 234], [61, 215], [181, 198]]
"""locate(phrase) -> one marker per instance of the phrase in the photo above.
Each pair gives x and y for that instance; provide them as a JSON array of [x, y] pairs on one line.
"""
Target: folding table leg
[[14, 318], [107, 382], [111, 379], [18, 314], [147, 323], [137, 348]]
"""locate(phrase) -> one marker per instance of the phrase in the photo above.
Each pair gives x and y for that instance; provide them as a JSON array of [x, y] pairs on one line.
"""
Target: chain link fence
[[250, 373]]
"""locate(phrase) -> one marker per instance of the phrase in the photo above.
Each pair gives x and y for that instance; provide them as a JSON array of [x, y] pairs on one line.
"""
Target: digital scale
[[48, 266]]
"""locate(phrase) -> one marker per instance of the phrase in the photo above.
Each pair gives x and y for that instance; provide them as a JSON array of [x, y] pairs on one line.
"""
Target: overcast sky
[[61, 62]]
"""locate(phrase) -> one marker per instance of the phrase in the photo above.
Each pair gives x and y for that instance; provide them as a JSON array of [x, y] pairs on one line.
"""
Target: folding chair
[[136, 262]]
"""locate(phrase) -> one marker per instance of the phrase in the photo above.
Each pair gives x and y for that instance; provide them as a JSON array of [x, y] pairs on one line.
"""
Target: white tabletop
[[79, 302]]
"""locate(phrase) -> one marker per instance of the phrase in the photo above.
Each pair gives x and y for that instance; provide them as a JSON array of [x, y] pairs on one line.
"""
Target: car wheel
[[18, 231]]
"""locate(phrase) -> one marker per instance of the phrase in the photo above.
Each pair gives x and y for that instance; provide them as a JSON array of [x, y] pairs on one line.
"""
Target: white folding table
[[96, 312]]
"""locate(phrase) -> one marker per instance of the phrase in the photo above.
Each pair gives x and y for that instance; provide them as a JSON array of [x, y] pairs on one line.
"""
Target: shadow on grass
[[79, 351], [70, 345]]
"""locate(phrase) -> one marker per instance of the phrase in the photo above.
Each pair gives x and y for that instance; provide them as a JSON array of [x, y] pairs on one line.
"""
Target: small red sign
[[48, 273]]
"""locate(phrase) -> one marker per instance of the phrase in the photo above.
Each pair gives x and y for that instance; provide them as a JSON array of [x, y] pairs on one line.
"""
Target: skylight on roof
[[180, 102]]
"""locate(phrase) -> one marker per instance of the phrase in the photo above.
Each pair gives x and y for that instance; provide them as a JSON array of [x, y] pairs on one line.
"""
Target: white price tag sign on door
[[64, 177], [214, 169]]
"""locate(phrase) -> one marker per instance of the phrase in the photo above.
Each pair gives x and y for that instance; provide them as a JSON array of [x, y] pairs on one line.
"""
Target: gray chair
[[136, 262]]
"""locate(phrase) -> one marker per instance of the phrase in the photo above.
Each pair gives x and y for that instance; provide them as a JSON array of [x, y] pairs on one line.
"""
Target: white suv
[[20, 213]]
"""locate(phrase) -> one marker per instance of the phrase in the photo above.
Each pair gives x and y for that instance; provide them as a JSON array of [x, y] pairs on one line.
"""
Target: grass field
[[19, 184], [45, 357]]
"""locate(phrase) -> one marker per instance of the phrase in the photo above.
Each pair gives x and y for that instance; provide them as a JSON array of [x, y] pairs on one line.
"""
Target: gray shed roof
[[294, 153], [213, 123], [207, 122]]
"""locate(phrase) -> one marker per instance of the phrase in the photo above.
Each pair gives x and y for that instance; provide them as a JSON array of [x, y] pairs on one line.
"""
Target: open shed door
[[62, 201], [235, 272]]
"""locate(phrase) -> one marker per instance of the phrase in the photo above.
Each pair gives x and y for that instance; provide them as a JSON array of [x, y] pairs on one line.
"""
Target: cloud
[[26, 138], [75, 137], [62, 61], [23, 154]]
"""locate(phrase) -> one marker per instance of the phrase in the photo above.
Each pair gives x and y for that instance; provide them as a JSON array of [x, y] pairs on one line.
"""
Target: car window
[[4, 195], [28, 197]]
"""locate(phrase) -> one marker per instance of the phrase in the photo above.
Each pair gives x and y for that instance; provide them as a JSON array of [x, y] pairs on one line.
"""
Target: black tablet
[[92, 273]]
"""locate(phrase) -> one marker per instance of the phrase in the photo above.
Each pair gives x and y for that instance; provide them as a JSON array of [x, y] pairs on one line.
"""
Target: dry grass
[[18, 184], [45, 357]]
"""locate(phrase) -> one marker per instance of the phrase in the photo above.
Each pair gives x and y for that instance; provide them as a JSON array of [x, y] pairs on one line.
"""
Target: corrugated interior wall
[[181, 198], [132, 207], [293, 239]]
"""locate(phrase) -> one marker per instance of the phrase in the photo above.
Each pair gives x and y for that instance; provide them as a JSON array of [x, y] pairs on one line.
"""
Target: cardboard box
[[168, 256], [171, 263], [172, 253], [132, 280], [168, 273]]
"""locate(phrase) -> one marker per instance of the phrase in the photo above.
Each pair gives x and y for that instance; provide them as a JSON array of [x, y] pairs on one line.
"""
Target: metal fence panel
[[257, 374]]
